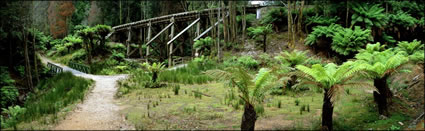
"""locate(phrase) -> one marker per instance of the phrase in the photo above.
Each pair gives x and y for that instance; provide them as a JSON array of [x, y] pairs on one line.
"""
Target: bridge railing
[[79, 67], [54, 69], [180, 60]]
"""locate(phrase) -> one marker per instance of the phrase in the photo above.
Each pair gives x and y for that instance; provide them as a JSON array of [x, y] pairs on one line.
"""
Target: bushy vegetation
[[348, 41], [52, 95]]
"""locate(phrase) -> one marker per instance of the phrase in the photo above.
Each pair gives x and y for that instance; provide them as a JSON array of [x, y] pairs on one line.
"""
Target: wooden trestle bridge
[[169, 20]]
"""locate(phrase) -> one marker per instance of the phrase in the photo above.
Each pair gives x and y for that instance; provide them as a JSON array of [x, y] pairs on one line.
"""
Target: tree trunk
[[88, 53], [120, 3], [289, 24], [27, 62], [383, 97], [249, 117], [346, 15], [225, 20], [300, 19], [243, 25], [154, 77], [35, 57], [327, 111], [264, 43]]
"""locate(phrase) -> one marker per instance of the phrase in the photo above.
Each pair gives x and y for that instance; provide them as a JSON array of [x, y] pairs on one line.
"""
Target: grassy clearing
[[51, 99], [161, 109]]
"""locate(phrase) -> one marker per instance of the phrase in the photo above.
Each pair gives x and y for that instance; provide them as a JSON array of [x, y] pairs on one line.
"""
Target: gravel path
[[98, 111]]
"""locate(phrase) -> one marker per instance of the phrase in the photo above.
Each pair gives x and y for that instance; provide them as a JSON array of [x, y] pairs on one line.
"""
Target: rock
[[382, 117]]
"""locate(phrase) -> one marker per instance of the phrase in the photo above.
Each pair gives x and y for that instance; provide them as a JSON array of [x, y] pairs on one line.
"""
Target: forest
[[212, 65]]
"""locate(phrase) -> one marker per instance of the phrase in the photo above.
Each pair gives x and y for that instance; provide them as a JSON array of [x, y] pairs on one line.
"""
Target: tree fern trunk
[[264, 43], [383, 97], [249, 117], [327, 111]]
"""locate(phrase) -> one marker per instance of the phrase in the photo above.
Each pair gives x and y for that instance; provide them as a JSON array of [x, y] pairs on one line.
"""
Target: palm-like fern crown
[[252, 89], [402, 19], [292, 58], [103, 30], [259, 30], [410, 48], [331, 77], [370, 15], [347, 41], [381, 63], [322, 20], [322, 31], [155, 67]]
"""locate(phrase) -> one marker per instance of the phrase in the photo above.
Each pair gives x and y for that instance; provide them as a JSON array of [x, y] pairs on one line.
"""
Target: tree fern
[[321, 20], [408, 48], [252, 90], [292, 58], [332, 79], [414, 50], [320, 32], [348, 41], [402, 19], [369, 15]]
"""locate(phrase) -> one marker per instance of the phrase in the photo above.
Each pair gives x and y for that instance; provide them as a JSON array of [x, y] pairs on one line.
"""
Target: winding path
[[98, 111]]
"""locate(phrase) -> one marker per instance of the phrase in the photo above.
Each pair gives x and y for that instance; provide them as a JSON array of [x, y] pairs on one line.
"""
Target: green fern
[[348, 41], [402, 19], [321, 20], [381, 63], [369, 15], [319, 32], [292, 58], [409, 48]]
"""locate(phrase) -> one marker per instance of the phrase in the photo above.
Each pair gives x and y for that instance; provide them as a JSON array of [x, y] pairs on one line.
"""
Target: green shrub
[[248, 62], [60, 91], [276, 17], [297, 102], [8, 91], [13, 119], [348, 41], [250, 19]]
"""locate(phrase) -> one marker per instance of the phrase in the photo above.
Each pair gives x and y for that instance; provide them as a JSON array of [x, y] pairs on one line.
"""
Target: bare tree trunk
[[346, 15], [243, 25], [35, 57], [120, 3], [289, 25], [27, 61], [218, 34], [225, 20], [294, 31], [300, 19]]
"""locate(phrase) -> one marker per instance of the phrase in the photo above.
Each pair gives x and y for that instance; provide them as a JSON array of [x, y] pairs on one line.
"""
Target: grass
[[53, 96], [222, 110]]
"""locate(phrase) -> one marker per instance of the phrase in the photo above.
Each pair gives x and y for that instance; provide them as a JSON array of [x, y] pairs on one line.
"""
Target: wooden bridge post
[[141, 42], [128, 41], [198, 29], [148, 39], [170, 58]]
